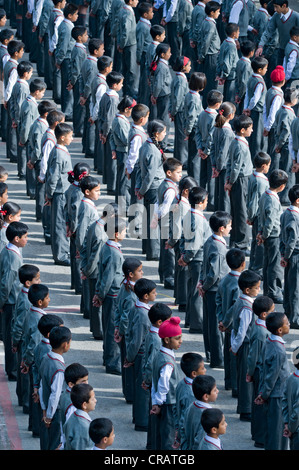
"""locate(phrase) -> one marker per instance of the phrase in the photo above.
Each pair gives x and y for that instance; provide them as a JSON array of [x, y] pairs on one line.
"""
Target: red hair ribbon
[[133, 104], [3, 212], [153, 66], [84, 173], [221, 111], [70, 173], [186, 61]]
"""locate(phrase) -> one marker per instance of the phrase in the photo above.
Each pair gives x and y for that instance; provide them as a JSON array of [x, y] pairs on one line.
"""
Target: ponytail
[[224, 111]]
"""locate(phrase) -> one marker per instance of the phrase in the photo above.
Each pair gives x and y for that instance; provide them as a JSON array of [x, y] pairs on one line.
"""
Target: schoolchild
[[260, 21], [56, 18], [43, 39], [101, 432], [3, 178], [10, 212], [58, 167], [243, 73], [223, 135], [185, 9], [158, 34], [240, 14], [242, 322], [227, 62], [214, 425], [262, 307], [6, 35], [197, 16], [3, 194], [289, 405], [143, 37], [290, 62]]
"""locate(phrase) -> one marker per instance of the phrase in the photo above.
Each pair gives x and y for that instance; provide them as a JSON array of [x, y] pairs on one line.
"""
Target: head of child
[[47, 322], [3, 193], [262, 162], [90, 187], [96, 47], [293, 195], [158, 33], [249, 283], [75, 374], [54, 118], [243, 125], [64, 134], [17, 234], [212, 9], [158, 313], [247, 49], [182, 64], [126, 105], [278, 180], [110, 210], [80, 34], [225, 114], [294, 34], [105, 65], [163, 51], [232, 30], [116, 229], [25, 70], [10, 212], [6, 35], [71, 12], [204, 388], [80, 171], [221, 223], [259, 65], [39, 296], [214, 99], [156, 130], [60, 338], [263, 306], [45, 107], [146, 10], [173, 169], [145, 290], [15, 49], [37, 88], [213, 422], [198, 81], [170, 333], [132, 269], [101, 432], [290, 96], [60, 4], [192, 364], [235, 259], [281, 6], [198, 198], [278, 76], [132, 3], [186, 184], [29, 274], [264, 3], [140, 114], [278, 323], [295, 357], [3, 17], [83, 397], [115, 81]]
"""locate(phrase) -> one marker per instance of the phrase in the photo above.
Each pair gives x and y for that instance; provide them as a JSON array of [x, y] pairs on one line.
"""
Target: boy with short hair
[[6, 35], [291, 60], [214, 424], [268, 234], [243, 72], [227, 62], [101, 432], [289, 405], [143, 37], [56, 17], [74, 374]]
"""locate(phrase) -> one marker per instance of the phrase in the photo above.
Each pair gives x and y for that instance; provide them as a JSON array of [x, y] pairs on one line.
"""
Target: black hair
[[62, 129], [100, 428], [144, 7], [2, 13], [225, 110], [27, 272], [94, 44], [294, 31], [274, 321], [214, 97], [242, 122], [293, 193], [290, 94], [110, 210], [23, 67], [80, 393], [202, 384], [78, 31], [219, 219], [3, 188], [211, 7], [277, 178], [81, 170], [14, 46], [139, 111], [104, 62], [187, 182], [9, 208], [47, 322], [114, 225], [45, 107], [261, 158], [130, 265], [37, 292], [270, 8], [113, 78], [197, 195], [88, 183], [231, 28], [258, 62], [59, 335], [144, 286], [153, 127], [171, 164], [159, 311], [179, 63], [55, 115], [5, 34], [247, 279], [198, 81], [16, 229], [281, 2], [247, 47], [37, 84], [69, 9], [125, 102], [211, 418], [261, 304], [161, 48], [190, 362], [235, 257], [74, 372], [3, 172], [156, 30], [262, 2]]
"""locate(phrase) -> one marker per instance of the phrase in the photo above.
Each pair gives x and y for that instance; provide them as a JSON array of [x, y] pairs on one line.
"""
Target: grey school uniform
[[214, 268], [291, 48], [88, 72], [138, 328], [256, 140], [108, 283], [76, 431], [48, 139], [185, 8], [275, 372], [3, 53], [204, 138], [43, 31], [208, 54], [290, 408], [55, 18], [89, 257], [274, 95], [269, 227], [192, 109], [226, 67], [184, 398], [258, 336], [143, 38], [59, 164], [19, 93], [161, 90], [63, 52], [193, 429], [197, 16], [42, 348], [257, 185], [78, 55], [179, 89], [259, 22], [97, 88], [243, 73], [128, 43], [73, 196], [238, 169], [10, 133], [289, 250], [119, 142]]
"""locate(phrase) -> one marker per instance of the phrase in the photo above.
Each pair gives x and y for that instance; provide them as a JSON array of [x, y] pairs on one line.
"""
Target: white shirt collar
[[246, 297], [260, 174], [69, 22], [235, 273], [210, 110], [263, 10], [269, 191], [113, 243], [154, 329], [167, 351], [293, 42], [202, 404], [294, 208], [90, 201], [142, 304], [82, 413], [213, 440], [79, 44], [218, 237], [259, 321], [188, 380], [111, 92], [14, 248], [245, 58], [286, 15], [57, 356], [144, 20], [276, 338], [163, 61]]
